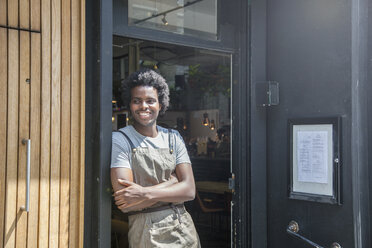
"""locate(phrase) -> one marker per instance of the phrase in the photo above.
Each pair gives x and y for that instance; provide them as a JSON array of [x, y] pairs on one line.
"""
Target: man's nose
[[144, 104]]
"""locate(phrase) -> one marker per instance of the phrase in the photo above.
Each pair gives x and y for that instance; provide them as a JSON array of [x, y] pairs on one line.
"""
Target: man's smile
[[144, 114]]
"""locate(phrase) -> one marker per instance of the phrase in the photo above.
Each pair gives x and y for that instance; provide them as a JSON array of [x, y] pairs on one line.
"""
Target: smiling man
[[151, 172]]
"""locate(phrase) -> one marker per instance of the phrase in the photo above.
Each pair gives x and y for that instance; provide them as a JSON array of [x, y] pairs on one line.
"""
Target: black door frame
[[97, 203], [99, 32], [258, 128]]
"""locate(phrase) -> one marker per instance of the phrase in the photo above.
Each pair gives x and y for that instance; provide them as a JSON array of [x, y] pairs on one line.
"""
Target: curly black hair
[[146, 77]]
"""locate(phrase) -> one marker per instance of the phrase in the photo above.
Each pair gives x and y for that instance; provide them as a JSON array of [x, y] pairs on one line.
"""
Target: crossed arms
[[130, 196]]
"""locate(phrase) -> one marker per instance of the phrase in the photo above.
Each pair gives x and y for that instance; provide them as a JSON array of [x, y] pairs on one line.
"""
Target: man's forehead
[[144, 91]]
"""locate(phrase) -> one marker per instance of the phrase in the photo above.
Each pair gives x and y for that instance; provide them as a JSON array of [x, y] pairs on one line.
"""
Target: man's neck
[[150, 131]]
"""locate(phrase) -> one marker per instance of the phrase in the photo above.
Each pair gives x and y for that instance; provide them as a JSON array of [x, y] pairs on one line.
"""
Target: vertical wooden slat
[[3, 124], [35, 14], [65, 124], [3, 12], [75, 124], [13, 13], [24, 14], [55, 125], [12, 140], [12, 135], [24, 119], [82, 124], [23, 130], [33, 217], [45, 124]]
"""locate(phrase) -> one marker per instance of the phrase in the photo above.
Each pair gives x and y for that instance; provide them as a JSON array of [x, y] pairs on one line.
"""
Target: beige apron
[[171, 227]]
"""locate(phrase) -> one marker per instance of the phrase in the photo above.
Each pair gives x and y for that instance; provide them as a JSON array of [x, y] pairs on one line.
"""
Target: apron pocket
[[167, 233], [162, 219]]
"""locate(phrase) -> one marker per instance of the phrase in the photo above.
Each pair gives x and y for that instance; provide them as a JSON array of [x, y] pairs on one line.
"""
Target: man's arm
[[182, 191], [118, 178], [120, 173]]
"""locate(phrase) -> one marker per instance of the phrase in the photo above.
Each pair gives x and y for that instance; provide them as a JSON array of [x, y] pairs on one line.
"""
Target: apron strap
[[130, 142], [170, 140]]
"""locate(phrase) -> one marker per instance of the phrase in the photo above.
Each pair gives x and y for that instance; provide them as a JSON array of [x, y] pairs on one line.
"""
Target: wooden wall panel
[[45, 123], [49, 109], [65, 125], [3, 123]]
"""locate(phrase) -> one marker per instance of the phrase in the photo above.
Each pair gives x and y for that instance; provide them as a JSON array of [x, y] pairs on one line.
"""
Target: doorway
[[200, 109]]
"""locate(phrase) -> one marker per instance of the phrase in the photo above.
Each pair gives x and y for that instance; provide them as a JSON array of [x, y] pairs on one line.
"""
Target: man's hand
[[132, 193], [132, 197]]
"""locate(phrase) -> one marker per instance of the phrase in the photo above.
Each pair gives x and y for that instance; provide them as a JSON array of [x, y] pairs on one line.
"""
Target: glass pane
[[197, 18], [200, 94]]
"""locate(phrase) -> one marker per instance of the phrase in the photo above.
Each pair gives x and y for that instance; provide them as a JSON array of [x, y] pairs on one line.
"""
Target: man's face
[[144, 105]]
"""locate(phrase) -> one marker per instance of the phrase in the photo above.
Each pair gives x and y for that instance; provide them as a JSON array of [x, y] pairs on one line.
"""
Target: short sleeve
[[181, 152], [120, 151]]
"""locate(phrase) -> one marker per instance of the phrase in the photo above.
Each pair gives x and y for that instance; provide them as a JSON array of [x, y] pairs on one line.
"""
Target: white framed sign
[[315, 159]]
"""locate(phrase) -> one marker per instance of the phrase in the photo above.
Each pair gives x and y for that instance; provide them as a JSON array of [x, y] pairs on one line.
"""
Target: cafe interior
[[200, 109]]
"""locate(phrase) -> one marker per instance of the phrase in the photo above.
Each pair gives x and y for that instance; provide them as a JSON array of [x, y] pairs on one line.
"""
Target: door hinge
[[232, 182], [267, 93]]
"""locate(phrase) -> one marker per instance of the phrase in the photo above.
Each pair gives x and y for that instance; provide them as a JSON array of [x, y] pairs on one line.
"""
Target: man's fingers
[[119, 202], [119, 192]]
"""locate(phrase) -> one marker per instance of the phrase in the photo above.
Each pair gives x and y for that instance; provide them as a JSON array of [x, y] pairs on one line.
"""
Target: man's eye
[[151, 101], [135, 101]]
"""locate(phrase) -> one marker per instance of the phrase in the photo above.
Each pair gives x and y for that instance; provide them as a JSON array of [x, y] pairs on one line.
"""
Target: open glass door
[[200, 100]]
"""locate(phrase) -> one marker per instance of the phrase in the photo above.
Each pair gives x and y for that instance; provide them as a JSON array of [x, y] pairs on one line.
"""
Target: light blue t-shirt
[[121, 149]]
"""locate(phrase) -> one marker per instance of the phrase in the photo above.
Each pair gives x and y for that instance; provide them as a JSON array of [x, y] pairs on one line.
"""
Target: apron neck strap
[[130, 142], [170, 140]]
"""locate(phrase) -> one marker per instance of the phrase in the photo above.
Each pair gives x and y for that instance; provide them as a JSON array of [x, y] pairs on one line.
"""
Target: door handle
[[293, 229], [28, 165]]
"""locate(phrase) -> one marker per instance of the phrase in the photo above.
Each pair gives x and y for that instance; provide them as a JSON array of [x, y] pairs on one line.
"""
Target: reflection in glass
[[194, 17], [199, 83]]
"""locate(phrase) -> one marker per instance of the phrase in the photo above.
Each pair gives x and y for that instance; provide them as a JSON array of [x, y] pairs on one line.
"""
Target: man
[[151, 171]]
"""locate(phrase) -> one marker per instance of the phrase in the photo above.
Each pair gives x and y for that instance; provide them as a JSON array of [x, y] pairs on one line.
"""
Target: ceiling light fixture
[[205, 120], [165, 22], [212, 126]]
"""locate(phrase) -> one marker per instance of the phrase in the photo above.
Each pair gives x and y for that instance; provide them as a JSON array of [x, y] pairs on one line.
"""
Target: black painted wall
[[316, 51]]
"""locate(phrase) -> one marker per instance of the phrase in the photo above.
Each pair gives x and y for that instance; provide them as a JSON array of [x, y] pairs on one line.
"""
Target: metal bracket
[[267, 93]]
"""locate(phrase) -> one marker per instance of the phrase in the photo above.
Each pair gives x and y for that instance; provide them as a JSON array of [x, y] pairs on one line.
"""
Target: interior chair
[[209, 205]]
